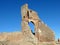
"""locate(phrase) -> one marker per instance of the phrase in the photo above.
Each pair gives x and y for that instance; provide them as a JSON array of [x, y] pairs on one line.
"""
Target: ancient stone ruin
[[42, 32]]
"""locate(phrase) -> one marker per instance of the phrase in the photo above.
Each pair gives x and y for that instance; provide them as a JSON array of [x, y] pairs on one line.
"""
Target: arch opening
[[32, 27]]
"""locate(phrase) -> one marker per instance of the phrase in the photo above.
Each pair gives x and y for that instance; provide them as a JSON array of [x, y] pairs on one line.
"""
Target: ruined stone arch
[[40, 28]]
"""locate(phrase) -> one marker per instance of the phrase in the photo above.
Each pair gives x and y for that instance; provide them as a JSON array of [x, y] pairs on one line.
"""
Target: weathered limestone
[[42, 32]]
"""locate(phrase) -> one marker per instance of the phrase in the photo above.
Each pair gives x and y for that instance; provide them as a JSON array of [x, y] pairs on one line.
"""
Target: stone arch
[[41, 30]]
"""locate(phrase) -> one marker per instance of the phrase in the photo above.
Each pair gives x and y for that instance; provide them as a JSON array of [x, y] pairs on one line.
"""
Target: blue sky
[[48, 11]]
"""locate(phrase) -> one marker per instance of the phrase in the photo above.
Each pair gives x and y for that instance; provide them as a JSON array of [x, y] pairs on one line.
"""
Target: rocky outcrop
[[42, 31], [43, 34]]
